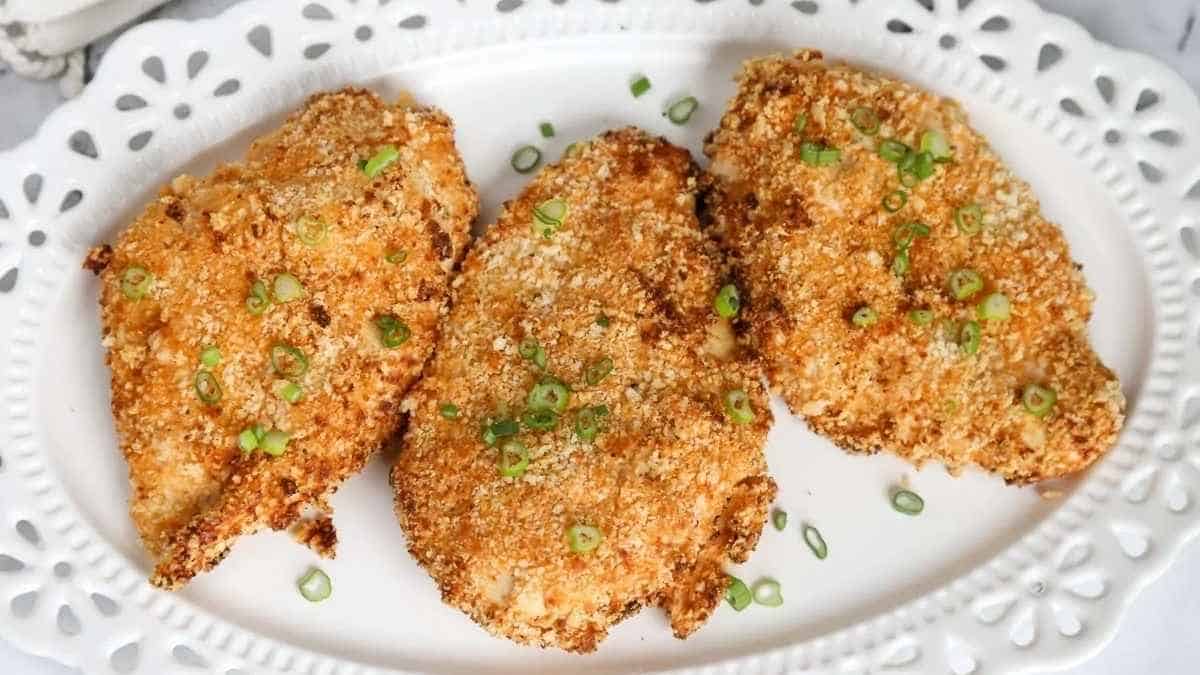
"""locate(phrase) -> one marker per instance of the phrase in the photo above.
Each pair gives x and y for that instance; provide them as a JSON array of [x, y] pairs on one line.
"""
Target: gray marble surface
[[1159, 632]]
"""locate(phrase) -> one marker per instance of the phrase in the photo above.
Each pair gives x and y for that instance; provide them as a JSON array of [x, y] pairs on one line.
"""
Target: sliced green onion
[[572, 150], [599, 370], [995, 307], [315, 586], [547, 129], [208, 389], [934, 143], [136, 282], [396, 257], [864, 317], [540, 420], [514, 459], [286, 288], [799, 124], [900, 263], [287, 361], [814, 540], [1038, 400], [258, 301], [448, 411], [248, 441], [392, 331], [589, 422], [259, 431], [602, 320], [965, 283], [493, 431], [548, 217], [737, 594], [865, 120], [210, 357], [311, 231], [895, 201], [969, 219], [530, 350], [924, 166], [779, 519], [907, 502], [381, 160], [291, 392], [549, 394], [969, 337], [921, 317], [639, 86], [893, 151], [682, 110], [829, 157], [728, 302], [907, 163], [905, 234], [584, 538], [526, 159], [909, 179], [810, 153], [274, 442], [766, 592], [737, 406]]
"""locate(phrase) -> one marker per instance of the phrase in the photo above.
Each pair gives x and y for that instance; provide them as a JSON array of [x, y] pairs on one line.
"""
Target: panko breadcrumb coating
[[813, 245], [205, 242], [673, 486]]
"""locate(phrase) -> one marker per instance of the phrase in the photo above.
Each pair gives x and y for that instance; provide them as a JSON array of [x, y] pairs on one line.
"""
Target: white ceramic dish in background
[[989, 579]]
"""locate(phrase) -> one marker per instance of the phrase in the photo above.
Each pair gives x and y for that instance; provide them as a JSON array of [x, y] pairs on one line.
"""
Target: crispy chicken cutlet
[[585, 441], [899, 280], [263, 323]]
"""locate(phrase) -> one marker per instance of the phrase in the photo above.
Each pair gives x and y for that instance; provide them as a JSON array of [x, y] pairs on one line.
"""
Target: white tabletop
[[1158, 635]]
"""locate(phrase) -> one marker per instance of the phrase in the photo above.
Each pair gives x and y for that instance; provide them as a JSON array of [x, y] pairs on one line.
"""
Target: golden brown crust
[[672, 483], [206, 241], [813, 244]]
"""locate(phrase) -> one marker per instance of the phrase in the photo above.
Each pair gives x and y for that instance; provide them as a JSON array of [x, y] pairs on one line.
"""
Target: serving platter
[[989, 579]]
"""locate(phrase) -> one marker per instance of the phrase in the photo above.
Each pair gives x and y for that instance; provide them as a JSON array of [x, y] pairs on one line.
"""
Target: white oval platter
[[990, 579]]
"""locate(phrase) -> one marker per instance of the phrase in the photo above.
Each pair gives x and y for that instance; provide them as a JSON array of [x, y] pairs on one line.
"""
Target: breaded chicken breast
[[264, 323], [584, 442], [899, 280]]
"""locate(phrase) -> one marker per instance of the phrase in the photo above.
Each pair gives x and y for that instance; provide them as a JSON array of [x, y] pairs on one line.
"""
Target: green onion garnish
[[969, 337], [907, 502], [530, 350], [814, 540], [682, 110], [865, 120], [208, 389], [965, 283], [893, 151], [286, 288], [829, 157], [315, 586], [908, 179], [549, 394], [969, 219], [737, 594], [514, 459], [396, 257], [392, 331], [934, 143], [900, 263], [248, 440], [291, 392], [540, 420], [728, 302], [210, 357], [311, 231], [798, 126], [526, 159], [584, 538], [493, 431], [895, 201], [136, 282], [258, 301], [864, 317], [547, 129], [287, 361], [995, 307], [548, 217], [737, 406], [921, 317], [904, 235], [815, 154], [448, 411], [380, 160], [274, 442], [923, 166], [572, 150], [589, 422], [779, 519], [599, 370], [602, 320], [1038, 400], [766, 592], [639, 86]]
